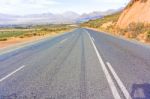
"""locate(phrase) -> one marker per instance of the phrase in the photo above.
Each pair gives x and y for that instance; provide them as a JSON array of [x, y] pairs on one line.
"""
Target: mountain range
[[50, 18]]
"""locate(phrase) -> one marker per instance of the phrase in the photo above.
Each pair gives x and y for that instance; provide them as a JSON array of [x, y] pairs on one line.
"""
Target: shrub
[[148, 35], [135, 29], [3, 39], [44, 29]]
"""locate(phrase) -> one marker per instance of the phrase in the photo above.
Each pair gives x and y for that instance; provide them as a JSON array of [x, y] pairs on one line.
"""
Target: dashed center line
[[7, 76]]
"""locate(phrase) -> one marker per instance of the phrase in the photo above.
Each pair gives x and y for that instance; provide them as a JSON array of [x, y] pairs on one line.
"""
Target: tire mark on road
[[83, 84], [58, 66]]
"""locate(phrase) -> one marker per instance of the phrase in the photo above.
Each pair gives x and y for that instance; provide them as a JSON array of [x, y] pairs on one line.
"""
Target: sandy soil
[[13, 41], [138, 12]]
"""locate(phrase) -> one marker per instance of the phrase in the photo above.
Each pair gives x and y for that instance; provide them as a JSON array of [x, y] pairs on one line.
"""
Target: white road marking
[[63, 41], [7, 76], [11, 50], [93, 39], [107, 74], [23, 45], [119, 82]]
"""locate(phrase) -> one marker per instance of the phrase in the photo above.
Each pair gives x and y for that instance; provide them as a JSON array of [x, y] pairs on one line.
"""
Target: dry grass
[[99, 22], [39, 30], [138, 31]]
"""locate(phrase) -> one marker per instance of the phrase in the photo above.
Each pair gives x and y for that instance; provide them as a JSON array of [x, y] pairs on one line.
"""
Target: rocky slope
[[138, 11]]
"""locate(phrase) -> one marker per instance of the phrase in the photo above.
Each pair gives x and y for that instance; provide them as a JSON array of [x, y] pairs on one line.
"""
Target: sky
[[25, 7]]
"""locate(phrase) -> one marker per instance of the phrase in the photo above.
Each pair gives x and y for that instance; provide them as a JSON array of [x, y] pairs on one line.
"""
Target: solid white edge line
[[30, 43], [23, 45], [119, 82], [107, 74], [63, 41], [7, 76]]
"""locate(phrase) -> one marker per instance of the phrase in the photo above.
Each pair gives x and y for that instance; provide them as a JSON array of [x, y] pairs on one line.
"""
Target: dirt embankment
[[14, 41], [138, 11], [133, 22]]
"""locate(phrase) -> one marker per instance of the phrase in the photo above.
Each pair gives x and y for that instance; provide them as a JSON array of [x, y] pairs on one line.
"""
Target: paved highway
[[82, 64]]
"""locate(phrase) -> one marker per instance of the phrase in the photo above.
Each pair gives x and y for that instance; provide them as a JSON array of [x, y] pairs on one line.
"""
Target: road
[[82, 64]]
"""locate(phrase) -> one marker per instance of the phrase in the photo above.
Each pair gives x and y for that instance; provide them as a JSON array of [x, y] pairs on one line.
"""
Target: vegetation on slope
[[97, 23], [133, 1], [138, 31], [39, 30]]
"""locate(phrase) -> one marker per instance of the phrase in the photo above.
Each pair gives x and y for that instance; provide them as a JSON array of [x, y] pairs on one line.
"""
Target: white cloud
[[25, 6], [15, 2], [40, 2], [57, 6]]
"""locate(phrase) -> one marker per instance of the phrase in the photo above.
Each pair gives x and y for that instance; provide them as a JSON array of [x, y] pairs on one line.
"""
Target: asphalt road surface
[[82, 64]]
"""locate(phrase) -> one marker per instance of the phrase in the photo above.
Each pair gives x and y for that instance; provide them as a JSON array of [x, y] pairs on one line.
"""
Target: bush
[[44, 29], [148, 35], [28, 35], [3, 39], [135, 29]]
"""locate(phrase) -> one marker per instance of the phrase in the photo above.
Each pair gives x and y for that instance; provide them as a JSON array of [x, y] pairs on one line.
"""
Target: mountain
[[5, 18], [67, 17], [50, 18], [96, 15], [88, 16], [137, 11]]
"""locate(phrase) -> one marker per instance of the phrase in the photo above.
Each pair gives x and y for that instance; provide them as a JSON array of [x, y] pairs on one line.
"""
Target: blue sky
[[24, 7]]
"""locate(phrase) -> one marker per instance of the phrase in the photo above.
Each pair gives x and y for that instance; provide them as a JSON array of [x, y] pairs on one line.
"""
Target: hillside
[[106, 23], [135, 30], [138, 11]]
